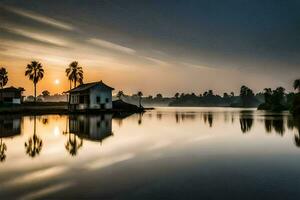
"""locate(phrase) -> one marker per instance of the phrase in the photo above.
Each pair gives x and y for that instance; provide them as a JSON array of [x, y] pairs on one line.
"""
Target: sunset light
[[150, 99]]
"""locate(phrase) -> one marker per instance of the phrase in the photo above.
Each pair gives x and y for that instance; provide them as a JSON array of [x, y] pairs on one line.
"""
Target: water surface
[[167, 153]]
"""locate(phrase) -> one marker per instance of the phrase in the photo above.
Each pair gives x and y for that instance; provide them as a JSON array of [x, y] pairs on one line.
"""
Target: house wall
[[11, 97], [104, 95]]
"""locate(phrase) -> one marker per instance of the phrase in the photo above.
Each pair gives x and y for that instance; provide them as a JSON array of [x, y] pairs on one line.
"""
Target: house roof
[[12, 89], [88, 86]]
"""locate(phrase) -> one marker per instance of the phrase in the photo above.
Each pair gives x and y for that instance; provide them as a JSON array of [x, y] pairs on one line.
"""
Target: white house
[[96, 95]]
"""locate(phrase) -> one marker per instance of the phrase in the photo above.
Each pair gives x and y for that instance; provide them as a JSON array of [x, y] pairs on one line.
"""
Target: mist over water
[[166, 153]]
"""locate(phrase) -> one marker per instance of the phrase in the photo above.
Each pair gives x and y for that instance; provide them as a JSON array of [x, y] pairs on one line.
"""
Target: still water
[[167, 153]]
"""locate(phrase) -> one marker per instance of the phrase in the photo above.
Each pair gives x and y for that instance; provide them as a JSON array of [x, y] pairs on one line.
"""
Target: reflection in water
[[174, 137], [99, 127], [10, 126], [208, 117], [3, 149], [276, 123], [95, 128], [296, 123], [73, 145], [140, 118], [246, 121], [181, 117], [278, 126], [268, 125], [34, 144]]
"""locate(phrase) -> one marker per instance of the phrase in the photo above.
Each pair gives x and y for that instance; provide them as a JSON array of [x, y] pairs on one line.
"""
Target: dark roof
[[88, 86], [12, 89]]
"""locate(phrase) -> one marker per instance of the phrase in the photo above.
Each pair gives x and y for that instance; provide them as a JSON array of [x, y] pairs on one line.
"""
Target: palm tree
[[34, 145], [74, 73], [72, 145], [35, 73], [3, 77], [297, 85], [120, 94], [140, 95], [3, 148]]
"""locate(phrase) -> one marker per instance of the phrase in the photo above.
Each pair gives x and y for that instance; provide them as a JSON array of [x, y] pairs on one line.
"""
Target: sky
[[154, 46]]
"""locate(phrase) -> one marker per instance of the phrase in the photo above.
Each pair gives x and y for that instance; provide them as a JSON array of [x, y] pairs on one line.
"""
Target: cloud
[[157, 61], [40, 18], [198, 66], [112, 46], [35, 35]]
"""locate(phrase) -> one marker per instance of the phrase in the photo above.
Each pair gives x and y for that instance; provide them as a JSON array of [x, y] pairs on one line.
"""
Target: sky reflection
[[56, 149]]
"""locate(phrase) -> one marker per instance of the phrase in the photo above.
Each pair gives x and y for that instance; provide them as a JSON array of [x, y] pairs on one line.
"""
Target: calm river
[[167, 153]]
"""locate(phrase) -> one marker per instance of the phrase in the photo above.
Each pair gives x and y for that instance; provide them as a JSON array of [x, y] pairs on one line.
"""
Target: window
[[81, 99], [98, 99], [106, 100]]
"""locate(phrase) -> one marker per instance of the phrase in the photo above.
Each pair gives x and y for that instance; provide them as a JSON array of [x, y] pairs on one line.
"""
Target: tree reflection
[[296, 124], [268, 125], [246, 121], [3, 149], [34, 144], [73, 145], [278, 126], [140, 118], [208, 117]]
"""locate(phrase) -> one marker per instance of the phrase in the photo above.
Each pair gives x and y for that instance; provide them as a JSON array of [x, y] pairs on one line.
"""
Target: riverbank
[[61, 108]]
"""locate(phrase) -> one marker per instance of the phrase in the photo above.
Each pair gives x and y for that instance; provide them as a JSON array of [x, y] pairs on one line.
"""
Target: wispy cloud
[[112, 46], [42, 37], [157, 61], [198, 66], [40, 18]]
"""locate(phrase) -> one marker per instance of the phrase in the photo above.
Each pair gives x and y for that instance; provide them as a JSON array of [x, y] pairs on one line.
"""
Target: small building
[[96, 95], [11, 95]]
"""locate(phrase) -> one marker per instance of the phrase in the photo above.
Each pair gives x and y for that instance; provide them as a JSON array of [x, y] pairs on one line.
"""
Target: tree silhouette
[[176, 95], [73, 145], [34, 144], [74, 73], [45, 93], [297, 85], [120, 94], [3, 77], [140, 95], [3, 149], [35, 73]]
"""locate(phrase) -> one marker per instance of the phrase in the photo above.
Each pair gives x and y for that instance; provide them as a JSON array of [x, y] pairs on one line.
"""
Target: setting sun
[[56, 82]]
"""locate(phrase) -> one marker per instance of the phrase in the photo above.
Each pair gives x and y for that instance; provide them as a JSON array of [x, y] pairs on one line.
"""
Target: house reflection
[[10, 126], [94, 128]]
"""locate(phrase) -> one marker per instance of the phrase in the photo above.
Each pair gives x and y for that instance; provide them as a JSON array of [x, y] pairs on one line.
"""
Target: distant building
[[95, 95], [11, 95], [94, 128]]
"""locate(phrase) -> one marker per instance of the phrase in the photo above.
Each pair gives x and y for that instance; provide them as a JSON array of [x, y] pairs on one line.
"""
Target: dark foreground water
[[168, 153]]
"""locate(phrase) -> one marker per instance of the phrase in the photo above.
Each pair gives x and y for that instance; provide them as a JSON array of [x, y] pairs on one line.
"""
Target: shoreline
[[62, 110]]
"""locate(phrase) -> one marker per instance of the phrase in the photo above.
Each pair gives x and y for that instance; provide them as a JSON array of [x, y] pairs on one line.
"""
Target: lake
[[166, 153]]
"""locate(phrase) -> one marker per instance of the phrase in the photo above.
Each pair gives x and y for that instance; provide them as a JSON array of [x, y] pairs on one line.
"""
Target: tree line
[[35, 73]]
